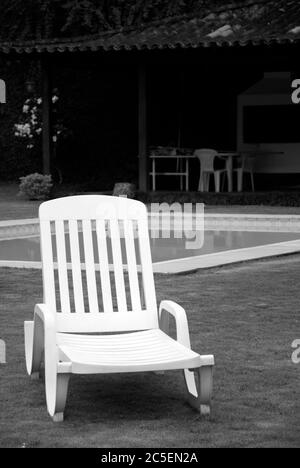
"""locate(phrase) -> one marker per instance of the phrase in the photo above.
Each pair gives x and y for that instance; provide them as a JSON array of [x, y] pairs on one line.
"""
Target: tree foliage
[[115, 14], [44, 19], [30, 19]]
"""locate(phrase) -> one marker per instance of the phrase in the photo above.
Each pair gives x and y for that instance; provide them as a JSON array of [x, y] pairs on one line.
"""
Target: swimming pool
[[171, 256]]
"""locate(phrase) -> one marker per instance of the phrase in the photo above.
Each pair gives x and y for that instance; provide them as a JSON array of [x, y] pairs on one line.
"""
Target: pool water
[[28, 249]]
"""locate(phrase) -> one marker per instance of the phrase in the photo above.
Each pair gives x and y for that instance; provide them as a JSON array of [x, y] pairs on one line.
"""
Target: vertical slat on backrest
[[146, 263], [48, 268], [118, 265], [132, 266], [62, 266], [104, 266], [76, 266], [90, 265]]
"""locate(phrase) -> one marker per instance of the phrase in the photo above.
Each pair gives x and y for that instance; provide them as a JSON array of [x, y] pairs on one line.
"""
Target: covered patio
[[184, 76]]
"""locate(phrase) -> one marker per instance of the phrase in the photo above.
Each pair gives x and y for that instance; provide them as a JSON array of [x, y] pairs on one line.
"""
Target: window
[[271, 124]]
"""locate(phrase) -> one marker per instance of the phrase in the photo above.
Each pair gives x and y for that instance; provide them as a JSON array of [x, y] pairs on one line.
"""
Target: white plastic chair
[[207, 158], [130, 335], [246, 166]]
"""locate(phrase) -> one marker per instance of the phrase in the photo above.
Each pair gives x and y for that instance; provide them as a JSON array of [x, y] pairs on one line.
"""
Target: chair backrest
[[93, 248], [206, 158]]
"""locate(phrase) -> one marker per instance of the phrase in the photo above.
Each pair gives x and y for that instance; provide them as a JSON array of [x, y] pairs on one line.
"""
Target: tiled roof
[[245, 23]]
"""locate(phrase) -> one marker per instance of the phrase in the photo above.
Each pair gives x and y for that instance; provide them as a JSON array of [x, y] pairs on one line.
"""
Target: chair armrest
[[47, 316], [168, 308], [42, 313], [39, 337]]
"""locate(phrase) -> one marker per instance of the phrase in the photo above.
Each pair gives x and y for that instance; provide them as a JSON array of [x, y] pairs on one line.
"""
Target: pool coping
[[282, 223], [13, 229], [227, 257]]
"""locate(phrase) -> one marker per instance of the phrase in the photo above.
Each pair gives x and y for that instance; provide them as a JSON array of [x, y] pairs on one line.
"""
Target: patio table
[[182, 173], [230, 155]]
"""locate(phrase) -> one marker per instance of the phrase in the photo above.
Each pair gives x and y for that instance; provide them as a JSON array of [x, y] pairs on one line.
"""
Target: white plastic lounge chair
[[130, 335]]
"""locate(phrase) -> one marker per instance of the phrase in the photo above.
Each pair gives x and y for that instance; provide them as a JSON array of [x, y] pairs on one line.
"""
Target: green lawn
[[247, 315]]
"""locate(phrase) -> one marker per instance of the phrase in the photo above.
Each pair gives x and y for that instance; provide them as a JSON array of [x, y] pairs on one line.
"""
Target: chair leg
[[240, 180], [201, 182], [199, 384], [207, 181], [252, 181], [223, 182], [56, 394], [217, 176]]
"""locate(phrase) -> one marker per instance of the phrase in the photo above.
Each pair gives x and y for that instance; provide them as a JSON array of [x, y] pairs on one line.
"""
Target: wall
[[286, 163]]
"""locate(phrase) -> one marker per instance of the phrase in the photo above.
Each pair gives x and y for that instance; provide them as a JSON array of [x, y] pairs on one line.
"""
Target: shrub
[[36, 186], [270, 198], [124, 189]]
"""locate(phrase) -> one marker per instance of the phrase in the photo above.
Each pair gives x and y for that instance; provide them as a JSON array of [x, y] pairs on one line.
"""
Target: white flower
[[38, 130], [25, 109], [54, 138], [39, 100], [55, 99]]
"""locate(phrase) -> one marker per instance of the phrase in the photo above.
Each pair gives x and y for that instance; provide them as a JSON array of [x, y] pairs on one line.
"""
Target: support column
[[47, 103], [143, 159]]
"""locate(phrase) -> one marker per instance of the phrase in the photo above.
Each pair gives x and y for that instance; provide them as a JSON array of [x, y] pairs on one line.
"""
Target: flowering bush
[[36, 186], [30, 125]]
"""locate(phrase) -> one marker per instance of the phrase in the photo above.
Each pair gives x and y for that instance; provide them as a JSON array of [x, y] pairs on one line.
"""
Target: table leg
[[229, 167], [153, 175], [187, 174], [179, 169]]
